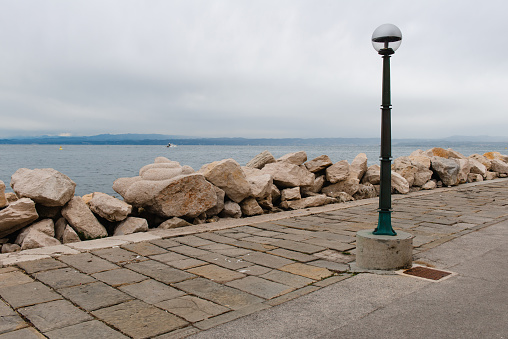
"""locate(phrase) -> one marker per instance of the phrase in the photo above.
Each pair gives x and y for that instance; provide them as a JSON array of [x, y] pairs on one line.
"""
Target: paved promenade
[[281, 275]]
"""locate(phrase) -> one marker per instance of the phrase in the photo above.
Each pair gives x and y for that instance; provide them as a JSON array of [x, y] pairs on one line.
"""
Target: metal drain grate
[[426, 273]]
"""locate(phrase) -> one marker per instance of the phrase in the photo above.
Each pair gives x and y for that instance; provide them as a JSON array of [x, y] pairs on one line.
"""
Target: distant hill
[[161, 139]]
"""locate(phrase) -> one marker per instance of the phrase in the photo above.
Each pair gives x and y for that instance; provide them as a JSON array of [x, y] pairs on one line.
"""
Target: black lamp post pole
[[384, 226]]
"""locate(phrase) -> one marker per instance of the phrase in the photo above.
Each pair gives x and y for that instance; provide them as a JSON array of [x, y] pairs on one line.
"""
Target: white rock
[[159, 160], [16, 216], [339, 171], [399, 183], [170, 164], [131, 225], [421, 161], [82, 220], [446, 169], [405, 168], [430, 185], [229, 176], [297, 158], [350, 186], [231, 210], [499, 166], [286, 174], [121, 185], [260, 160], [359, 166], [291, 194], [372, 175], [108, 207], [3, 199], [319, 163], [483, 160], [477, 167], [422, 177], [44, 186], [163, 173], [250, 207], [260, 183]]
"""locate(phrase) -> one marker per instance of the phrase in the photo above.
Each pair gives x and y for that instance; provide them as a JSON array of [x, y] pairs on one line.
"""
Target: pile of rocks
[[43, 211]]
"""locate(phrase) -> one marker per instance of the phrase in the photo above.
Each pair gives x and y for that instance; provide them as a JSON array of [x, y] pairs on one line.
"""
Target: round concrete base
[[384, 252]]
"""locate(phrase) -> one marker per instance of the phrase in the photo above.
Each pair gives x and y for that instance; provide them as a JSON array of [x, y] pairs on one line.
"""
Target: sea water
[[94, 168]]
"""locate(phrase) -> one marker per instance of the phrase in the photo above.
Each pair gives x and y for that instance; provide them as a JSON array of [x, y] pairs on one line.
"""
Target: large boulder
[[496, 155], [108, 207], [296, 158], [286, 174], [464, 170], [39, 234], [405, 168], [82, 220], [291, 194], [338, 172], [260, 160], [44, 186], [319, 163], [16, 216], [499, 166], [477, 167], [446, 169], [422, 177], [250, 207], [372, 175], [349, 186], [420, 160], [260, 183], [131, 225], [314, 201], [437, 152], [483, 160], [188, 195], [399, 183], [121, 185], [315, 187], [454, 154], [170, 164], [3, 199], [359, 166], [229, 176], [165, 173]]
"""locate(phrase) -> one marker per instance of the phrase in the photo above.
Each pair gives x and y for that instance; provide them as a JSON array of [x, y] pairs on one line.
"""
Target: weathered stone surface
[[131, 225], [430, 185], [438, 152], [261, 183], [260, 160], [365, 192], [422, 177], [483, 160], [315, 187], [339, 171], [496, 155], [229, 176], [399, 183], [11, 197], [121, 185], [159, 160], [275, 193], [9, 248], [188, 195], [446, 169], [477, 167], [319, 163], [170, 164], [45, 226], [266, 203], [32, 238], [405, 168], [3, 199], [420, 160], [372, 175], [359, 166], [464, 169], [220, 202], [297, 158], [286, 174], [166, 173], [69, 235], [82, 220], [16, 216], [173, 223], [350, 186], [291, 194], [108, 207], [454, 154], [231, 210], [60, 226], [44, 186], [474, 177], [314, 201], [490, 175], [250, 207], [87, 198], [499, 166]]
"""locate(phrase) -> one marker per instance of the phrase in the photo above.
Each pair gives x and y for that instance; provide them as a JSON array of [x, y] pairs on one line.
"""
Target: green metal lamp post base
[[384, 224]]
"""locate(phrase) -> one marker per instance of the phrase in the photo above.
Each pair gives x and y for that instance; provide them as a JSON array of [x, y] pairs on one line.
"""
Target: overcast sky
[[258, 69]]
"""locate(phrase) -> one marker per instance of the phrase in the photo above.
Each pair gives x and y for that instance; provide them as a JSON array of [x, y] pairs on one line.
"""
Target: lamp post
[[386, 39]]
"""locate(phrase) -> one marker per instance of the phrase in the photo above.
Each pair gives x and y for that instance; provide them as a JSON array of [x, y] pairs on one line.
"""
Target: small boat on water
[[170, 145]]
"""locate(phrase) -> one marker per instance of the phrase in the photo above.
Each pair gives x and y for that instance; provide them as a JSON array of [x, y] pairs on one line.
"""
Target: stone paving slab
[[197, 277]]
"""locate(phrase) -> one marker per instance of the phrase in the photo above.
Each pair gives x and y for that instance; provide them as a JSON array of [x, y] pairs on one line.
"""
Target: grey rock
[[446, 169], [69, 235], [82, 220], [365, 192], [44, 186], [260, 160], [17, 215], [231, 210]]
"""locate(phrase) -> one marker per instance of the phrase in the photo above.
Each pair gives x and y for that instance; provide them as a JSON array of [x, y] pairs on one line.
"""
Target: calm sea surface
[[95, 168]]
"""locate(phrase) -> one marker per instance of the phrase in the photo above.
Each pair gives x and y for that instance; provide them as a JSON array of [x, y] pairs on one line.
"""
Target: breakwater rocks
[[43, 210]]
